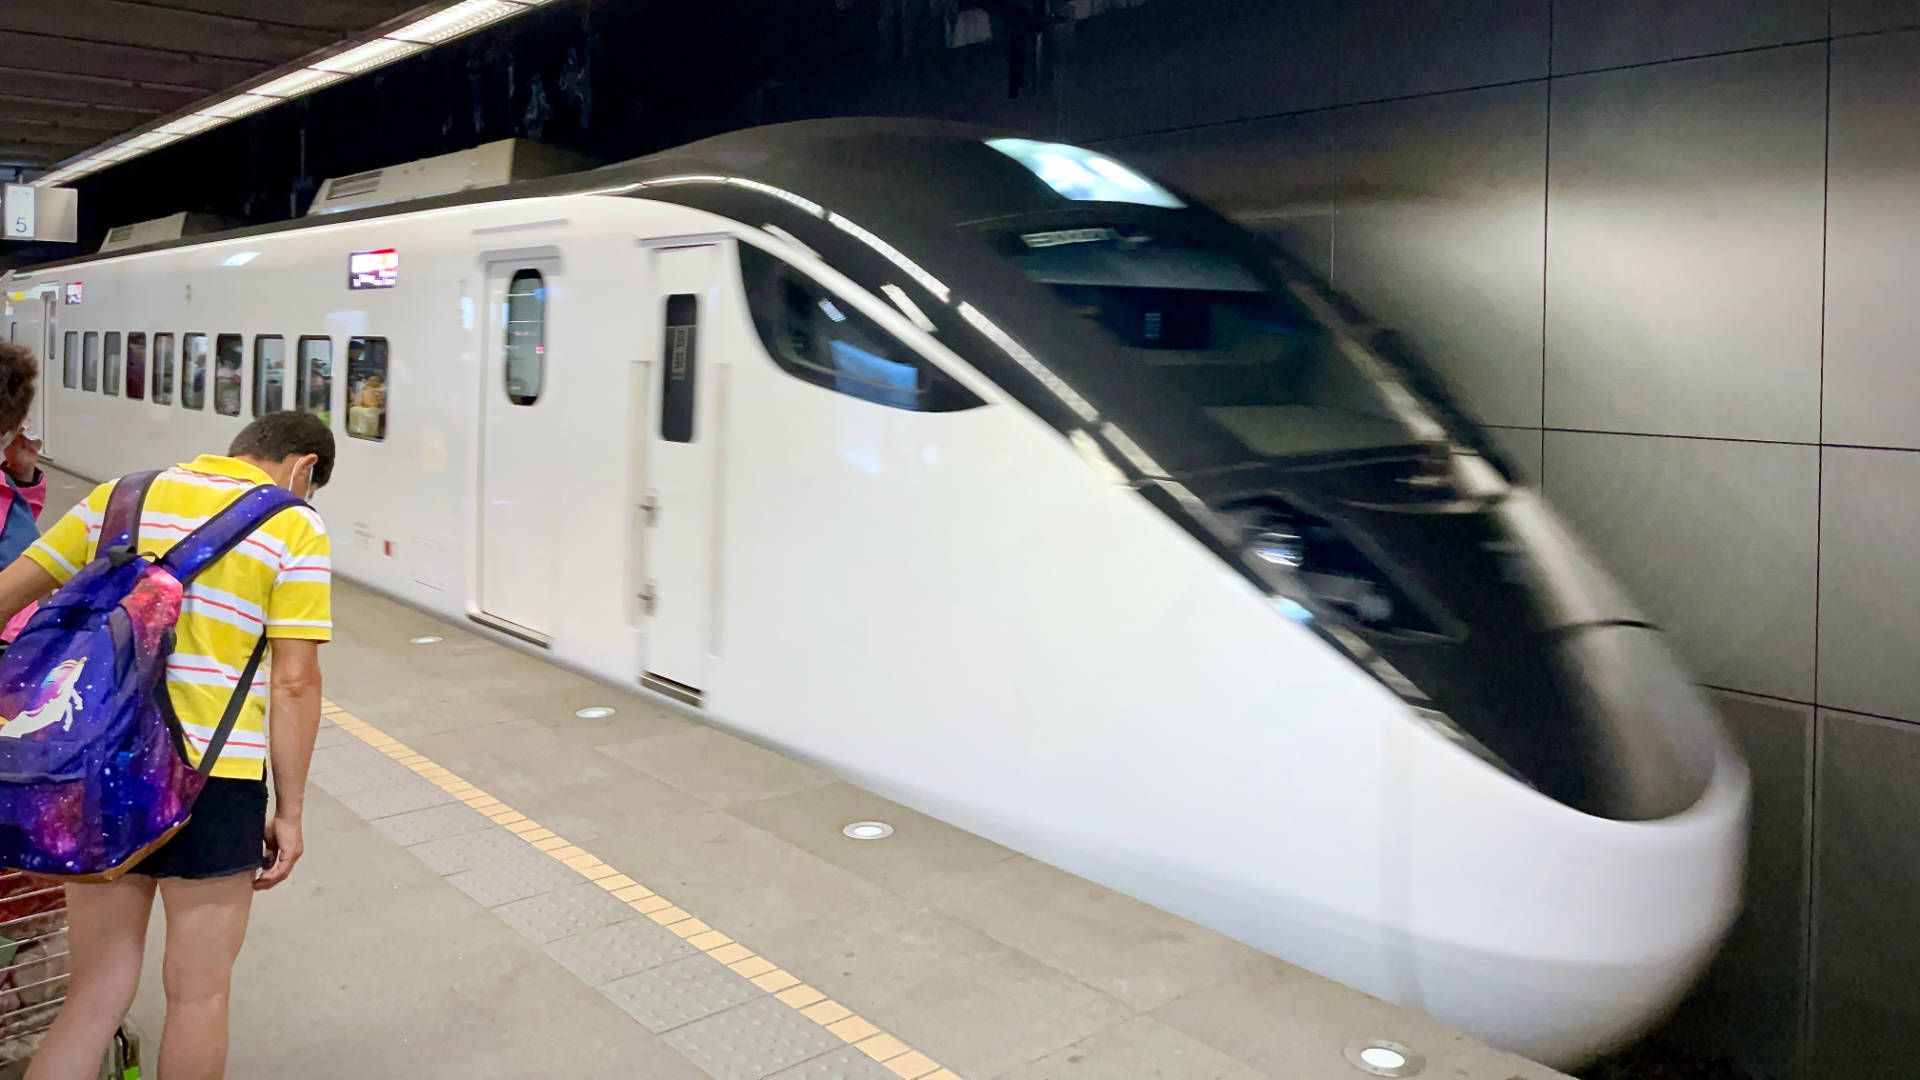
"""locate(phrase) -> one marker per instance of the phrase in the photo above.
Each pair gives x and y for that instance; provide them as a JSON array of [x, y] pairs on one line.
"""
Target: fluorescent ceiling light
[[443, 25], [461, 18], [149, 140], [362, 58], [295, 83], [234, 108], [189, 125]]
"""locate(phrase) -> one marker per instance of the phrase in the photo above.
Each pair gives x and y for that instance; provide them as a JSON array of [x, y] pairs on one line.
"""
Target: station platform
[[495, 886]]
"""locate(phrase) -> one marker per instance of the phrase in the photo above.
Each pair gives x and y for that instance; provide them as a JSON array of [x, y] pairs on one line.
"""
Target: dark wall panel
[[1872, 385], [1858, 16], [1870, 581], [1748, 1006], [1442, 235], [1714, 539], [1231, 60], [1866, 921], [1684, 228], [1590, 34], [1395, 48]]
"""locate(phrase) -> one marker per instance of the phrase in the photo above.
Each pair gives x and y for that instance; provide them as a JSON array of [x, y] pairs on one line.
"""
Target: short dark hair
[[281, 435], [18, 370]]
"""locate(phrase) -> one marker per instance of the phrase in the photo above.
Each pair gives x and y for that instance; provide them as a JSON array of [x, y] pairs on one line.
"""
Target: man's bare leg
[[206, 925], [106, 939]]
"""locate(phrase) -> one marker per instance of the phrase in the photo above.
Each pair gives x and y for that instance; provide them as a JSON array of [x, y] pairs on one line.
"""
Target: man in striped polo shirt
[[276, 582]]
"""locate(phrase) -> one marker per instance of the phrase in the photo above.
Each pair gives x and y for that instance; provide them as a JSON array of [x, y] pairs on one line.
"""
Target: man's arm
[[23, 583], [295, 690]]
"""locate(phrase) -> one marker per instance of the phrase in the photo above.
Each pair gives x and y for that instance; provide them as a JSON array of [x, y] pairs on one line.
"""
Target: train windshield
[[1211, 330]]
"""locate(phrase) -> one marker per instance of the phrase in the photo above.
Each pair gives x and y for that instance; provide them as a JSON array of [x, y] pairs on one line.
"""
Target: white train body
[[969, 610]]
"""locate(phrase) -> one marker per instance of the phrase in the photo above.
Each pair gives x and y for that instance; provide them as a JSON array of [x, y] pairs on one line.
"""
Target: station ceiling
[[77, 73]]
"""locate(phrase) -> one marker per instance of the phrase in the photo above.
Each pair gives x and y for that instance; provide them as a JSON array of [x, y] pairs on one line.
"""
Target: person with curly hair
[[23, 488]]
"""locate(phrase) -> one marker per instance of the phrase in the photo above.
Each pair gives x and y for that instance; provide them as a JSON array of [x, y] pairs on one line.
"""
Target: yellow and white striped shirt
[[278, 580]]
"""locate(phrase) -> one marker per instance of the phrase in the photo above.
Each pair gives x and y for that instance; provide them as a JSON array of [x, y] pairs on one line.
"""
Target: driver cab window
[[820, 338]]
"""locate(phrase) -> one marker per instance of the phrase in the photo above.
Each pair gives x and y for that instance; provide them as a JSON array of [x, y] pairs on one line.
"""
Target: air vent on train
[[162, 229], [491, 165], [347, 187]]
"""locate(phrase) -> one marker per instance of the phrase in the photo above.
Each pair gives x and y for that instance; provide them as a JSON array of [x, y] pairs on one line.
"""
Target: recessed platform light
[[868, 830], [426, 639], [593, 712], [1381, 1057]]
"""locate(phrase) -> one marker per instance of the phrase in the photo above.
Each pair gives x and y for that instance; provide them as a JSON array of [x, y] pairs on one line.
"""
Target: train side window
[[678, 366], [526, 345], [90, 361], [193, 371], [70, 361], [136, 366], [367, 388], [163, 369], [821, 339], [226, 373], [313, 382], [110, 364], [269, 374]]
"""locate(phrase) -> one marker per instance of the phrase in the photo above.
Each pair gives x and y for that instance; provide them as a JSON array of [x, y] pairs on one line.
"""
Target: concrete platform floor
[[421, 937]]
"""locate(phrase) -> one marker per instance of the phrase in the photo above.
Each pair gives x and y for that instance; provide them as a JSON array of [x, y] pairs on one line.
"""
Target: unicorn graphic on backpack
[[58, 707]]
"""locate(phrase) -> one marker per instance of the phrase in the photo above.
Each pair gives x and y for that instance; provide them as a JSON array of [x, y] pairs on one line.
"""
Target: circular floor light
[[1381, 1057], [593, 712], [868, 830], [426, 639]]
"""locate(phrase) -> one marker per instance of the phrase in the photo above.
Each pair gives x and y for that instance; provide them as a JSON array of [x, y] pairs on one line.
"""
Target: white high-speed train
[[1002, 480]]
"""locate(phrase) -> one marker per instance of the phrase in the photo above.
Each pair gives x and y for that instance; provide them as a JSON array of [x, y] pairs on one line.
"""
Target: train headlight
[[1279, 548]]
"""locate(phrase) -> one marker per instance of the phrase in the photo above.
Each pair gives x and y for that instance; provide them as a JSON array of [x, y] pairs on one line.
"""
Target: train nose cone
[[1560, 933], [1651, 739]]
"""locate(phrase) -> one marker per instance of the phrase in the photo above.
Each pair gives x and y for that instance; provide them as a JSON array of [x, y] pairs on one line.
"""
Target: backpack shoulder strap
[[231, 715], [220, 534], [121, 525], [226, 530]]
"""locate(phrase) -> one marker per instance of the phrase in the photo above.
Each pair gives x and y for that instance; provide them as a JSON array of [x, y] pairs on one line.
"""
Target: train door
[[684, 437], [30, 323], [519, 529]]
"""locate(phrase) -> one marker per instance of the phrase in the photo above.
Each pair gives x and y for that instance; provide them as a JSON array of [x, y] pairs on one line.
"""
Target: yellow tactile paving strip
[[785, 987]]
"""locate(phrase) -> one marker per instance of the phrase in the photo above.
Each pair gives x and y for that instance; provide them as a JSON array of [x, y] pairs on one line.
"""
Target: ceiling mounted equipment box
[[490, 165]]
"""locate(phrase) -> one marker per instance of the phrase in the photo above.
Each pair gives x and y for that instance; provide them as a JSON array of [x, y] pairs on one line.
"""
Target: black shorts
[[225, 836]]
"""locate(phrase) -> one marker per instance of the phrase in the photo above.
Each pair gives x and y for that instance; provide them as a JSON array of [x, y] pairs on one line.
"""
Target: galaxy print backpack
[[93, 766]]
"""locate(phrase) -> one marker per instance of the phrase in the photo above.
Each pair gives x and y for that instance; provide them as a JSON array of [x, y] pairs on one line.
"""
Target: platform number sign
[[20, 207]]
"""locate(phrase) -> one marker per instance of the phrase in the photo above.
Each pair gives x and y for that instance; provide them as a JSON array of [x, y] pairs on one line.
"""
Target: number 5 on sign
[[19, 211]]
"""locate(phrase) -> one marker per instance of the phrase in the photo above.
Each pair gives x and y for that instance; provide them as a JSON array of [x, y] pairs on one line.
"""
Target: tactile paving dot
[[379, 777], [565, 912], [751, 1041], [433, 823], [399, 797], [354, 767], [679, 993], [613, 952], [846, 1063], [469, 851], [497, 884]]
